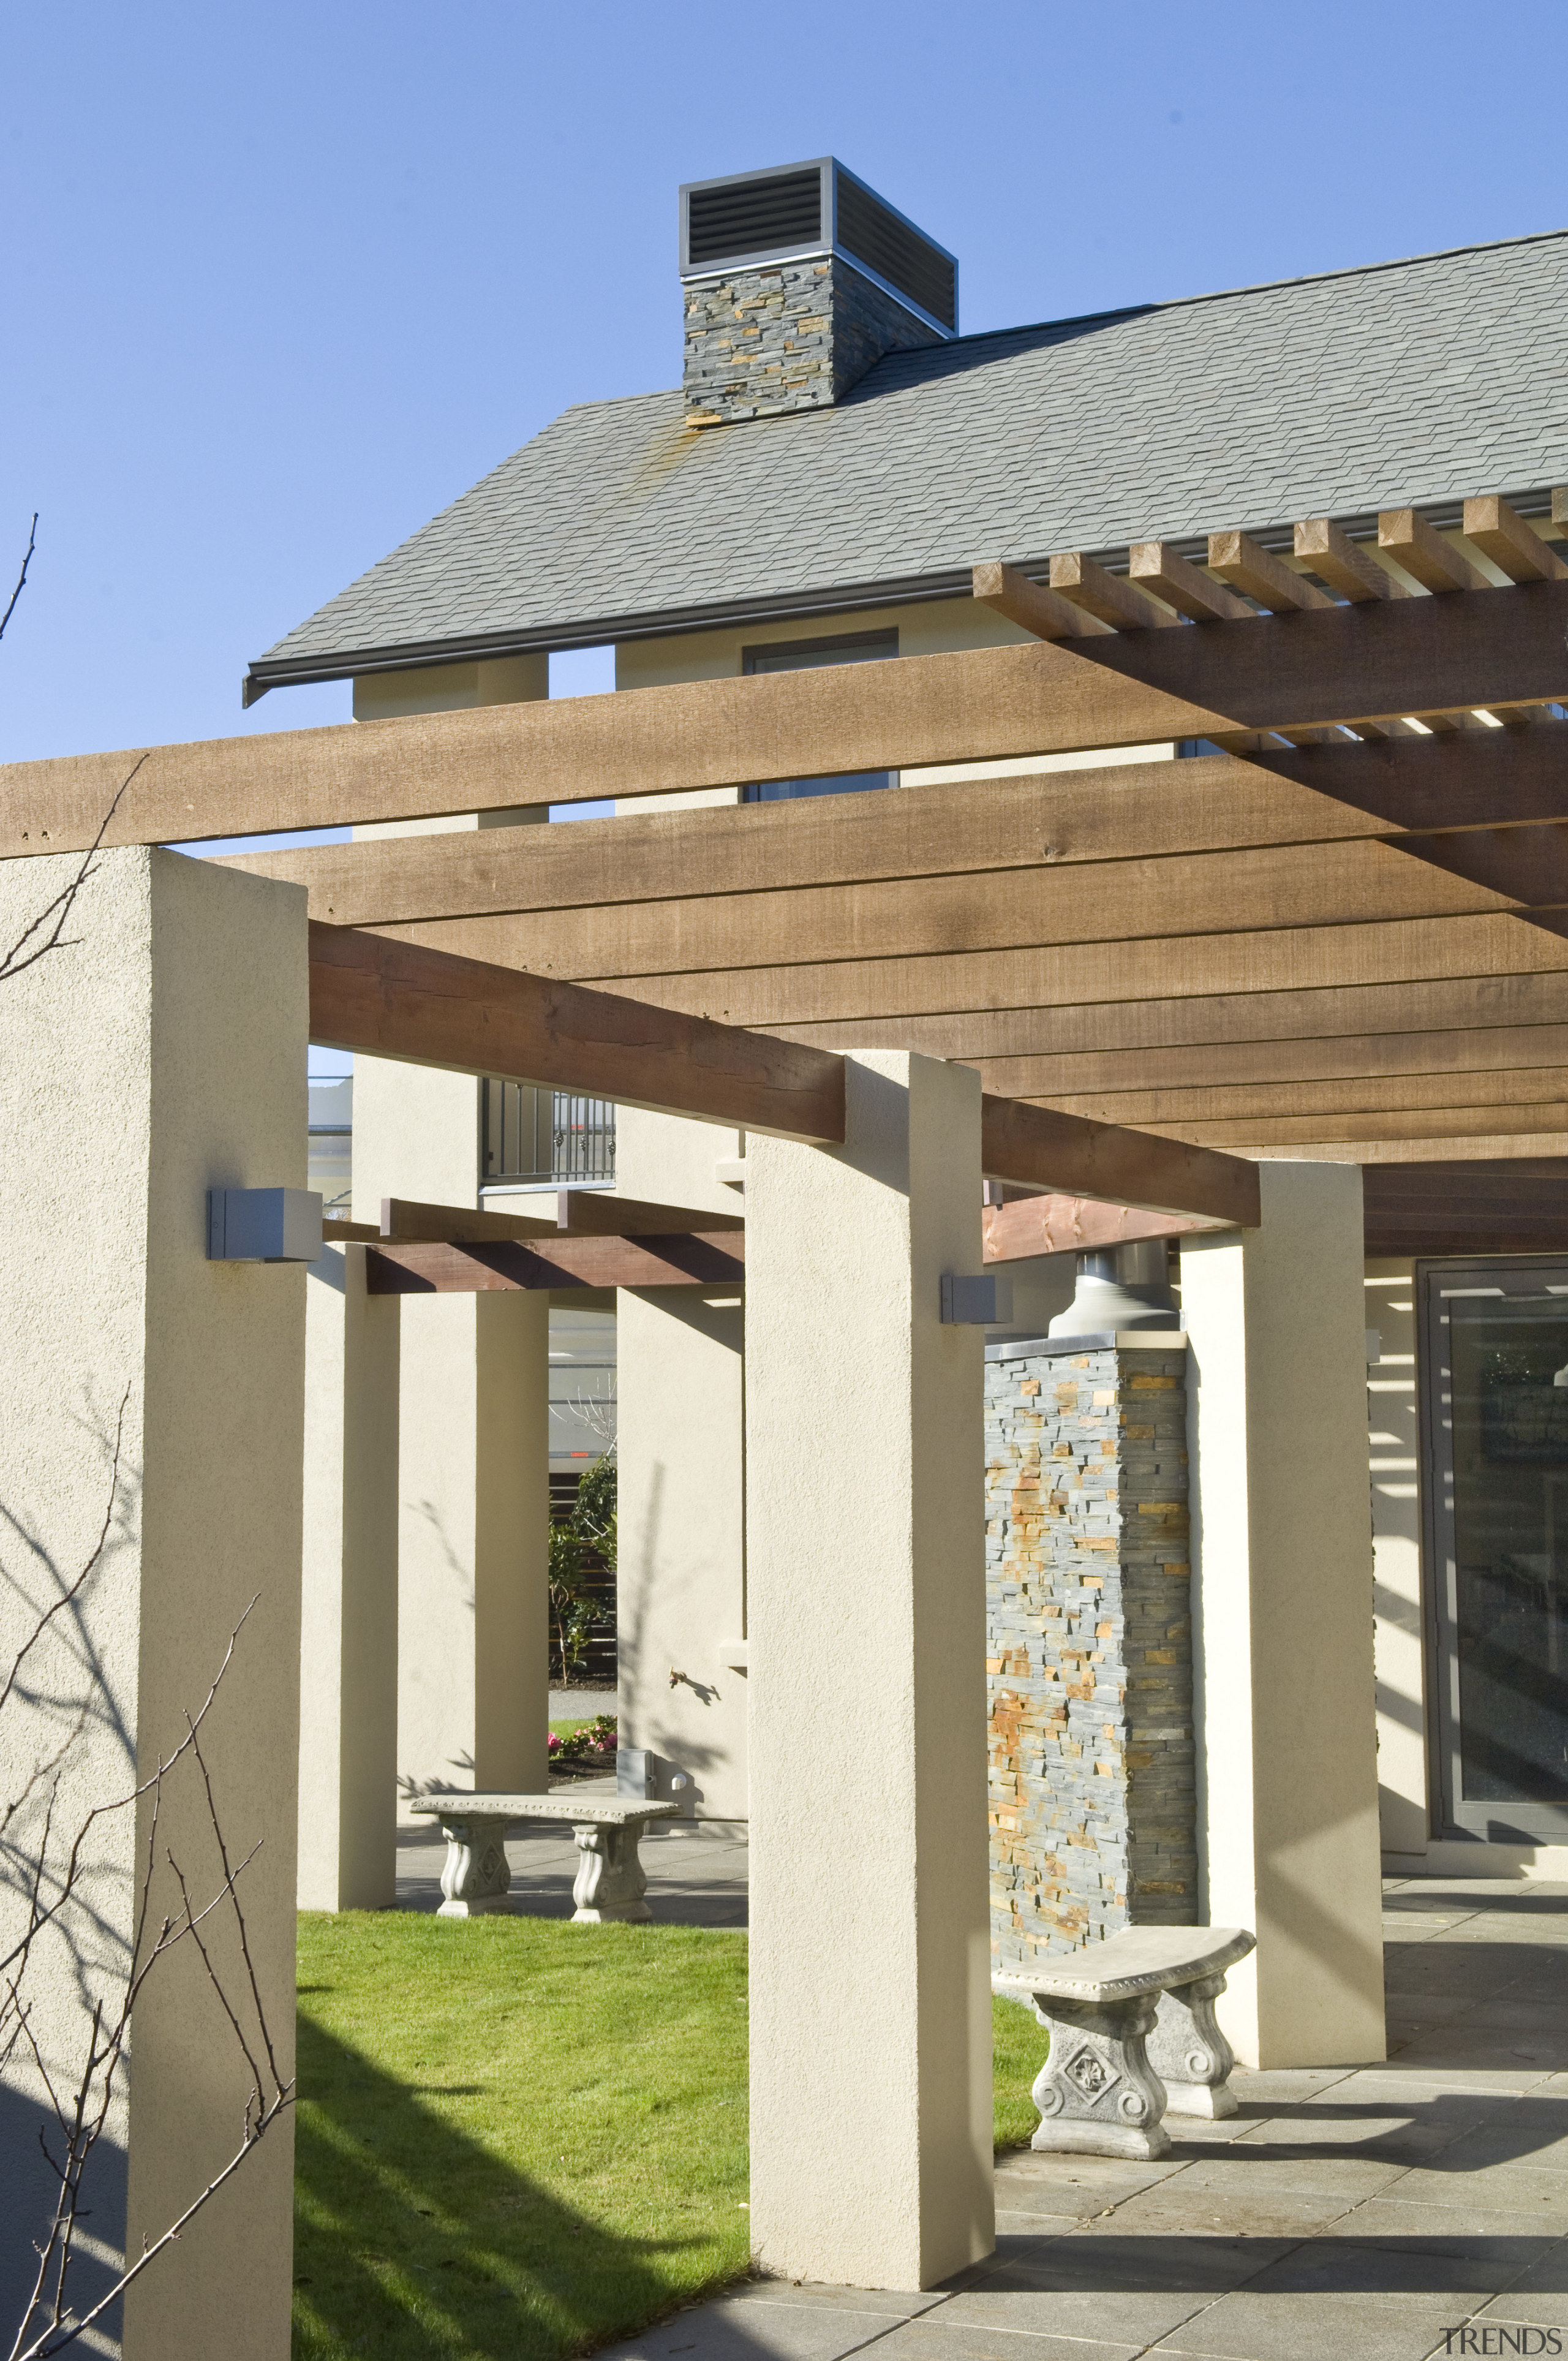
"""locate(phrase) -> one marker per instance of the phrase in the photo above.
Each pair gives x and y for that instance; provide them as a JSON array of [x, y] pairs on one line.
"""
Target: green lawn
[[518, 2137]]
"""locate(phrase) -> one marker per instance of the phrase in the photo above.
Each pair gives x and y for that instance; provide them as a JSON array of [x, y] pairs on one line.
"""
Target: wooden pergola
[[1342, 933]]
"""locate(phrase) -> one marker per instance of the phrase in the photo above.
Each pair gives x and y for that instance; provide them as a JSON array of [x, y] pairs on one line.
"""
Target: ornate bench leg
[[1097, 2093], [477, 1877], [1190, 2054], [610, 1883]]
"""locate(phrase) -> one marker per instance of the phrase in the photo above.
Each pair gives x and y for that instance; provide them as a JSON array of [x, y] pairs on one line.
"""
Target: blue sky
[[278, 283]]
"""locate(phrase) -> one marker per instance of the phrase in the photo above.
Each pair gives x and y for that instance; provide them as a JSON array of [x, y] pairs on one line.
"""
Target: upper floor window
[[806, 655]]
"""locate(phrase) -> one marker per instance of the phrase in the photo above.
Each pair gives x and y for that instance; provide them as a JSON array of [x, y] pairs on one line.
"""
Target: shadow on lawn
[[412, 2239]]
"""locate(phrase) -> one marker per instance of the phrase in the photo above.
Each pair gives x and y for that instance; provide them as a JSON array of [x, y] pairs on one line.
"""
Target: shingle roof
[[1408, 382]]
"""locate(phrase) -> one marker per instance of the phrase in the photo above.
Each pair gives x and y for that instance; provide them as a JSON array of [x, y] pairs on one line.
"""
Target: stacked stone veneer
[[1093, 1822], [788, 335]]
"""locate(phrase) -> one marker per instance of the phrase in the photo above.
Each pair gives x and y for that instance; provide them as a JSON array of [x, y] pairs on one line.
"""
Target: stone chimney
[[797, 279]]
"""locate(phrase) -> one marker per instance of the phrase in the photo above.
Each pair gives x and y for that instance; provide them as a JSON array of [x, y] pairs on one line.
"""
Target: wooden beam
[[1515, 548], [1353, 662], [1208, 1065], [1083, 1040], [1341, 563], [337, 1232], [1405, 536], [1335, 883], [1209, 803], [1156, 565], [1078, 577], [598, 1213], [1033, 1147], [1343, 665], [397, 1000], [856, 993], [1255, 1137], [1079, 1042], [1030, 605], [410, 1223], [984, 702], [1212, 803], [1239, 559], [1031, 1226], [696, 1260], [1159, 1110], [1519, 1206], [1530, 864]]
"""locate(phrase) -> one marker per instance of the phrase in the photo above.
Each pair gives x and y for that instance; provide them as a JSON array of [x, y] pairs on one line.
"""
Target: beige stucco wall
[[473, 1459], [871, 2033], [1282, 1641], [681, 1582], [348, 1650], [159, 1052]]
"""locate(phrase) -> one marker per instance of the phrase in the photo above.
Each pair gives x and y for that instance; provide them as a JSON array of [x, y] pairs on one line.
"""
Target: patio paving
[[1370, 2214]]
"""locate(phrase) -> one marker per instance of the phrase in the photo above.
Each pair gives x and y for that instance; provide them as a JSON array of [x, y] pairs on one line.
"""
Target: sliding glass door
[[1495, 1343]]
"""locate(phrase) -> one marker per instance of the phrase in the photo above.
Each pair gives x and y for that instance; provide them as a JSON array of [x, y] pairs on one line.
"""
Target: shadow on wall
[[412, 2239], [643, 1681]]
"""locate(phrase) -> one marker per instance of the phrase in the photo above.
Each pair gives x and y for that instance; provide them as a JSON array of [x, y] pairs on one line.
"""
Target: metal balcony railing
[[543, 1136]]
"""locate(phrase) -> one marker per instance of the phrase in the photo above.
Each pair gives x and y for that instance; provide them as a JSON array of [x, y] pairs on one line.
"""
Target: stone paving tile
[[808, 2295], [1279, 2089], [1113, 2177], [730, 2329], [1538, 2297], [1242, 2175], [1495, 2188], [1233, 2212], [1010, 2225], [1129, 2316], [1388, 2269], [1171, 2262], [939, 2338], [1457, 2227], [1248, 2327]]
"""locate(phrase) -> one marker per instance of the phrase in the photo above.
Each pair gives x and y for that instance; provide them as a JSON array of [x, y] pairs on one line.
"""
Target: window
[[1496, 1371], [807, 655]]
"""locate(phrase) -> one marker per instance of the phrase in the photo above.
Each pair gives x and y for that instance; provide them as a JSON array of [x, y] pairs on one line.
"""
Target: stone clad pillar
[[1283, 1595], [871, 2023], [348, 1654], [159, 1052], [681, 1581], [474, 1455], [1089, 1643]]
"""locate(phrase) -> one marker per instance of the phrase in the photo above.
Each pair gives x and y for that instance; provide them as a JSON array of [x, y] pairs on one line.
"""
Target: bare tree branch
[[21, 579], [60, 909]]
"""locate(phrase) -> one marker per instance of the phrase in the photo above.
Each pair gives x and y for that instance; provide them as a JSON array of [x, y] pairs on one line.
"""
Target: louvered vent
[[911, 265], [728, 220], [818, 208]]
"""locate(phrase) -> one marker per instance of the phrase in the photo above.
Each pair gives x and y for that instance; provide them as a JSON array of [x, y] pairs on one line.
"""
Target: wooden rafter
[[589, 1213], [716, 1261], [398, 1000], [1054, 1224]]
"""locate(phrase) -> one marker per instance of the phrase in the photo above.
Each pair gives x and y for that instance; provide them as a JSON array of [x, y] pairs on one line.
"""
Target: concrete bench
[[477, 1877], [1133, 2032]]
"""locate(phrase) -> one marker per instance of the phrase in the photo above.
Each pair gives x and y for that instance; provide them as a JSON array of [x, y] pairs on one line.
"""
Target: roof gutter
[[856, 597]]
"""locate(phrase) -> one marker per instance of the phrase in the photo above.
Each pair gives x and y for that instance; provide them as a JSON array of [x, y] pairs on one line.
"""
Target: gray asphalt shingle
[[1406, 382]]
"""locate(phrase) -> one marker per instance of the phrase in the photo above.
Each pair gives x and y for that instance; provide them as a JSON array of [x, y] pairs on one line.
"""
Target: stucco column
[[681, 1583], [1282, 1597], [348, 1652], [871, 2001], [473, 1464], [158, 1053]]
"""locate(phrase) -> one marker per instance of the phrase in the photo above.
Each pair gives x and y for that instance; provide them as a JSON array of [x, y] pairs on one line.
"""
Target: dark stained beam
[[1034, 1146], [1497, 779], [411, 1223], [428, 1008], [1032, 1227], [590, 1213], [479, 1269]]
